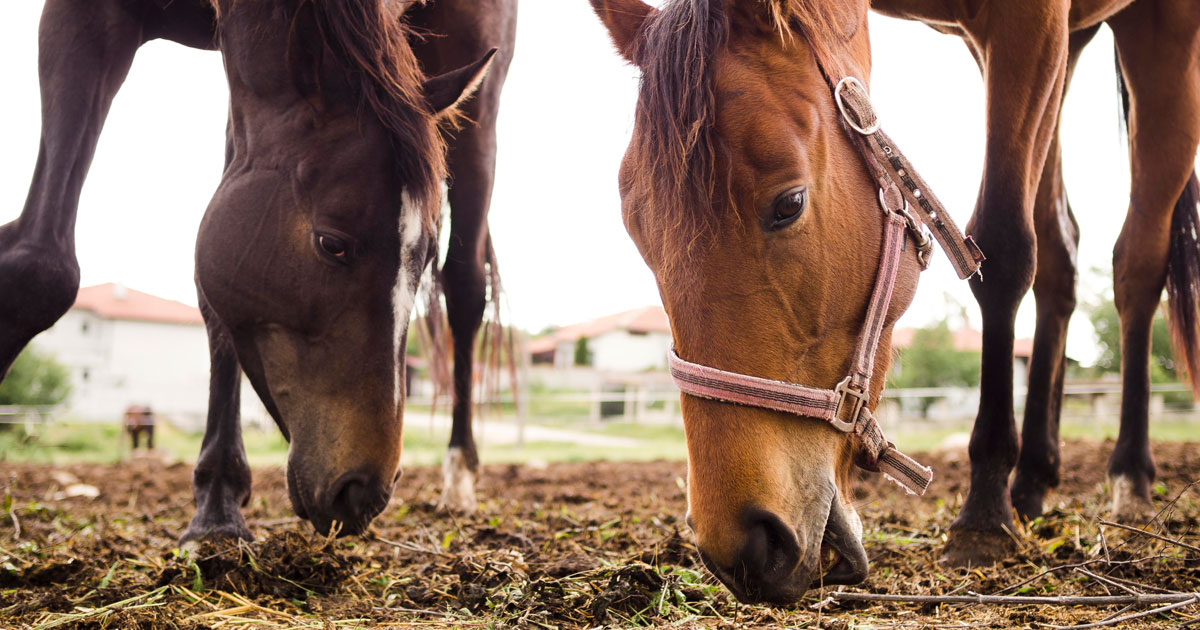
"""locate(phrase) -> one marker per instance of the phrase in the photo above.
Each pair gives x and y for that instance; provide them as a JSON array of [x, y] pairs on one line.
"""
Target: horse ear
[[624, 20], [445, 91]]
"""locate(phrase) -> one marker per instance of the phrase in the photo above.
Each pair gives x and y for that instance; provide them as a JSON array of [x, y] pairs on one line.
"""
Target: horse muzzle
[[771, 568], [347, 505]]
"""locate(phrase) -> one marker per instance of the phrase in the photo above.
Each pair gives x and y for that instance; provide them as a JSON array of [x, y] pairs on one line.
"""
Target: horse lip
[[852, 563], [295, 494]]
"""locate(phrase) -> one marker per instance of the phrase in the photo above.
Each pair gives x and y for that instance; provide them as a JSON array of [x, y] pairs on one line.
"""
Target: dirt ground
[[566, 546]]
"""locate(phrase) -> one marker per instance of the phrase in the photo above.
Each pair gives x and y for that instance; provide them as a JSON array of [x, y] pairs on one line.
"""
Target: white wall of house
[[623, 351], [115, 363]]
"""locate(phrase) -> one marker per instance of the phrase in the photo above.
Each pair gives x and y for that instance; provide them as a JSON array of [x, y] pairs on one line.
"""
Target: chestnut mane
[[678, 149]]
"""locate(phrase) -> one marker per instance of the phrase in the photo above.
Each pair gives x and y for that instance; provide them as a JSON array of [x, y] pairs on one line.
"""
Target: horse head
[[312, 248], [756, 212]]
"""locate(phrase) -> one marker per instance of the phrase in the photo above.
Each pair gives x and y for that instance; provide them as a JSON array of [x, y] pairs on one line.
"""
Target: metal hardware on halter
[[841, 104], [845, 390], [920, 233]]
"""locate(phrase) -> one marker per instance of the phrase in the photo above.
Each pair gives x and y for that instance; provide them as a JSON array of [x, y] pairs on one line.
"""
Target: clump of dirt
[[568, 546]]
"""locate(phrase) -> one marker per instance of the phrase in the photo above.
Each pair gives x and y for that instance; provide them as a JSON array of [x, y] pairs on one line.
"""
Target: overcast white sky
[[565, 120]]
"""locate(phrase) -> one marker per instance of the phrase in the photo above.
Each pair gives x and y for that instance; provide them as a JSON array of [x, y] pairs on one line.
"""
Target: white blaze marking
[[404, 294]]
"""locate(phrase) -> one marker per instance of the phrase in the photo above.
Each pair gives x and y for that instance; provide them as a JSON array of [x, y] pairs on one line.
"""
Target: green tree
[[932, 361], [583, 355], [1103, 314], [35, 379]]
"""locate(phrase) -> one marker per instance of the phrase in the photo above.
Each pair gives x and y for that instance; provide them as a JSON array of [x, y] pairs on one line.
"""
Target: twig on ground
[[1161, 515], [1104, 580], [1064, 567], [12, 513], [416, 611], [1177, 543], [1020, 600], [410, 546], [1145, 587], [1145, 613]]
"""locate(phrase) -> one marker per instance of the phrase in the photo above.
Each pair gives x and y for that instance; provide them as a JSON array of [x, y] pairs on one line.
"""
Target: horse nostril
[[771, 551], [353, 501]]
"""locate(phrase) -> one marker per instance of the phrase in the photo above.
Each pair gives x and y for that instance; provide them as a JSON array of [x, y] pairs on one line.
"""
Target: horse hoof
[[458, 483], [969, 547], [199, 532], [1029, 501], [1130, 500]]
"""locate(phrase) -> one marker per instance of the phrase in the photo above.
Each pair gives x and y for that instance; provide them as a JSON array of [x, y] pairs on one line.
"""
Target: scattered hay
[[570, 546]]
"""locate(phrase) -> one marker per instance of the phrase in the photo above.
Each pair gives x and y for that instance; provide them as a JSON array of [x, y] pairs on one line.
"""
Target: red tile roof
[[113, 301], [966, 339], [648, 319]]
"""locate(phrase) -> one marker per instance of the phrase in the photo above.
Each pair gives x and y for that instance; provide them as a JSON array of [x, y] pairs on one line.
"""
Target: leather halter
[[847, 407]]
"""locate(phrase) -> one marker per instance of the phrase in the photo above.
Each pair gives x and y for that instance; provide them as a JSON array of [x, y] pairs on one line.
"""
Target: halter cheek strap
[[847, 407]]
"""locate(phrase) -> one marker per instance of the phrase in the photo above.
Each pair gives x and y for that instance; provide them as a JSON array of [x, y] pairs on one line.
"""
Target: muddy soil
[[564, 546]]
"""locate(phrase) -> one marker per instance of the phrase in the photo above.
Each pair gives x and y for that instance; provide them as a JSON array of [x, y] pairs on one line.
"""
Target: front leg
[[221, 479], [1024, 49], [85, 49], [465, 280], [472, 161], [1054, 287]]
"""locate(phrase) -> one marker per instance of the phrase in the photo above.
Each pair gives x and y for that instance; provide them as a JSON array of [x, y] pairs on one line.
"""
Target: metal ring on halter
[[837, 97], [902, 211]]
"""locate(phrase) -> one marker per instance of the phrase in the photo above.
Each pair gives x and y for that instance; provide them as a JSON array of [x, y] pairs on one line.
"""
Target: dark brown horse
[[310, 253], [744, 192]]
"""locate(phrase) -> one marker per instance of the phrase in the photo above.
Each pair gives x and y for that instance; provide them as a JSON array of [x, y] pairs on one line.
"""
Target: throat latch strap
[[891, 168]]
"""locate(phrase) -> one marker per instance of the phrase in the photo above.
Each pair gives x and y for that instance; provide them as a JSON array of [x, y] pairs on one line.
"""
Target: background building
[[126, 347], [632, 341]]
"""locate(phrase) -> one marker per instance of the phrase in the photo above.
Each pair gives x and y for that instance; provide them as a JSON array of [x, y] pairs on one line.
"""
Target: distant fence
[[655, 403], [28, 414]]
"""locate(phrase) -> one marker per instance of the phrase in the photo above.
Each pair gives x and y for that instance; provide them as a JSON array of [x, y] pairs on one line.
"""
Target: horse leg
[[463, 276], [1157, 57], [472, 163], [1057, 235], [1024, 48], [85, 49], [221, 479]]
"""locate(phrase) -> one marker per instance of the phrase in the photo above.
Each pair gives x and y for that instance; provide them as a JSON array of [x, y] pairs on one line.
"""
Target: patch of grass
[[929, 439], [65, 443]]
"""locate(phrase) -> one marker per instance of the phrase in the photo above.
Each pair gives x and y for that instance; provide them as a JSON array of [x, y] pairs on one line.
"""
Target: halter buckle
[[857, 399], [841, 103]]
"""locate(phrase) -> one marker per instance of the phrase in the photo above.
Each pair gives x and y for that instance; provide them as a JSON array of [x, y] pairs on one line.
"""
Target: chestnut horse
[[1027, 52], [745, 194], [310, 253]]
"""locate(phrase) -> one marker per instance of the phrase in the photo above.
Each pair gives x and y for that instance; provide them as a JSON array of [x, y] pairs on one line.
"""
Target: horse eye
[[788, 208], [332, 246]]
